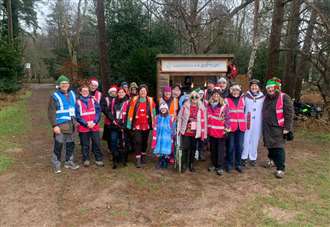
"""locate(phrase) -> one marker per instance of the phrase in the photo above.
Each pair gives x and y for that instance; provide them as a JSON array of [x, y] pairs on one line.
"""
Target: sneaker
[[211, 169], [269, 164], [279, 174], [253, 163], [220, 172], [87, 163], [244, 161], [57, 170], [71, 165], [239, 169], [99, 163]]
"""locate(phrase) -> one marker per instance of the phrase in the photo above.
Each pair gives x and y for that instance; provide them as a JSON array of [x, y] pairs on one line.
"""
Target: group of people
[[221, 119]]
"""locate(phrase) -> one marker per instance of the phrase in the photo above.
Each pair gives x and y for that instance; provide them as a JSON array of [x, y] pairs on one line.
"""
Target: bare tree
[[275, 38], [255, 39], [292, 46], [103, 46]]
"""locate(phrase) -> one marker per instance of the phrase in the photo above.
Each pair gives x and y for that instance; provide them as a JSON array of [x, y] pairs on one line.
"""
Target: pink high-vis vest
[[216, 122], [279, 110], [97, 96], [236, 114], [121, 116], [87, 112]]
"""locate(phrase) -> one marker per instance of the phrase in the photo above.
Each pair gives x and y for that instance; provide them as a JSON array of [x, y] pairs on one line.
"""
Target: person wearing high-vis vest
[[140, 118], [61, 114], [254, 100], [218, 124], [105, 106], [236, 106], [117, 115], [88, 114], [277, 114], [93, 89]]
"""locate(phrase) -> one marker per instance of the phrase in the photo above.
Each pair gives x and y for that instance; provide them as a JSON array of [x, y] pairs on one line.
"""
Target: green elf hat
[[271, 83], [62, 79]]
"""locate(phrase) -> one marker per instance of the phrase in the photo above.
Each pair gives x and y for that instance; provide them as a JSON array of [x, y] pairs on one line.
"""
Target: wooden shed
[[190, 70]]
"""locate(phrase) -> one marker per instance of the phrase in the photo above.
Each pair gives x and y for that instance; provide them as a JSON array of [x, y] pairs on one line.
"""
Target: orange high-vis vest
[[279, 110], [173, 108], [87, 112], [237, 115]]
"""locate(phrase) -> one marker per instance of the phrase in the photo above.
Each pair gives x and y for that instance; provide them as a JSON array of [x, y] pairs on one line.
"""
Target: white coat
[[253, 107]]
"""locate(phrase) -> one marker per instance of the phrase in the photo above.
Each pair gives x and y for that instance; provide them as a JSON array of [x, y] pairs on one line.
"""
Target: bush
[[10, 68]]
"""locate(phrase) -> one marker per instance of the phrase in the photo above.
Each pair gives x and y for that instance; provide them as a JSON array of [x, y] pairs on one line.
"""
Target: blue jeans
[[116, 141], [235, 148]]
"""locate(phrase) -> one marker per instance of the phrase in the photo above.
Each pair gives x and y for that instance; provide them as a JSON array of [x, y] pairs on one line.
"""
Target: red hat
[[94, 81], [113, 89]]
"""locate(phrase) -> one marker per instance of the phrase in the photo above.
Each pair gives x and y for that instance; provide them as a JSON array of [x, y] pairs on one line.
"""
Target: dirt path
[[32, 195]]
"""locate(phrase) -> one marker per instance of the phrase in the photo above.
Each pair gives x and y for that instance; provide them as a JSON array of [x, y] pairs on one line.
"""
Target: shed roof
[[198, 56]]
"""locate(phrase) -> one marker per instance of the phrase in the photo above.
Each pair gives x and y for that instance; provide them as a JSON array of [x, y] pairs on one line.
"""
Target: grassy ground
[[14, 123], [302, 198]]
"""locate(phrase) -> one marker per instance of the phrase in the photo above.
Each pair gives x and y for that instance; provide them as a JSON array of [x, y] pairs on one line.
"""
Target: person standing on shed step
[[61, 115]]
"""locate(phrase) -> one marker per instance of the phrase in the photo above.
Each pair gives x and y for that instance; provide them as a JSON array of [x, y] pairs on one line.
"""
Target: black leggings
[[188, 151], [277, 155], [141, 142], [217, 147]]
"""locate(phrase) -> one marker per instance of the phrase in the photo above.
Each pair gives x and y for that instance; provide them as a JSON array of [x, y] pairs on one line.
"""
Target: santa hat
[[163, 105], [94, 81], [113, 89]]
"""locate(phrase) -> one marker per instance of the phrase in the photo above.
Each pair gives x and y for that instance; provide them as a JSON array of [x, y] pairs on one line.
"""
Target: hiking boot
[[269, 164], [99, 163], [279, 174], [220, 172], [143, 159], [158, 164], [239, 169], [191, 168], [57, 170], [138, 162], [87, 163], [211, 168], [71, 165], [243, 162], [253, 163]]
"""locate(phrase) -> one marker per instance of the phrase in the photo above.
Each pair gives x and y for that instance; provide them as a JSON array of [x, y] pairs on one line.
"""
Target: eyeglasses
[[194, 97]]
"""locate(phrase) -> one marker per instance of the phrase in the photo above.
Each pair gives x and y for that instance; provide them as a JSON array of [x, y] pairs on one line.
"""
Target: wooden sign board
[[193, 65]]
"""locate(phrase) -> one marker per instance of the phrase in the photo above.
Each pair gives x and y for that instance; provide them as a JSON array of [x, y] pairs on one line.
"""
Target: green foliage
[[10, 68], [260, 66], [135, 41]]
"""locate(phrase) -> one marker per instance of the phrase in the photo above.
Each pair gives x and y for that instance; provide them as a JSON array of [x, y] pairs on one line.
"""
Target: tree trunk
[[275, 39], [103, 47], [255, 39], [303, 67], [10, 22], [290, 70]]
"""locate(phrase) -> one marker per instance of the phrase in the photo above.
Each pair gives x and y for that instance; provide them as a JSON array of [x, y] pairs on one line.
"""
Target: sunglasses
[[194, 97]]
